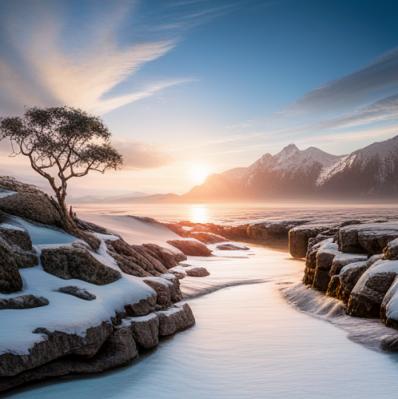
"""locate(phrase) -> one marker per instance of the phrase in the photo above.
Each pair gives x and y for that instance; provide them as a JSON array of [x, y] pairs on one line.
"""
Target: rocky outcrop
[[175, 319], [167, 257], [118, 349], [391, 250], [299, 237], [28, 202], [370, 238], [10, 279], [16, 236], [190, 247], [272, 230], [71, 262], [23, 302], [77, 292], [324, 260]]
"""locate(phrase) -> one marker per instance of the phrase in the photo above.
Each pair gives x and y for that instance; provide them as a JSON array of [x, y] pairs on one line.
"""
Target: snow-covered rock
[[190, 247]]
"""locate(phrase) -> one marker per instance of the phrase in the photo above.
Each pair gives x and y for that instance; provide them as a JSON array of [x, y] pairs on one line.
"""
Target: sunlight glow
[[199, 214], [198, 173]]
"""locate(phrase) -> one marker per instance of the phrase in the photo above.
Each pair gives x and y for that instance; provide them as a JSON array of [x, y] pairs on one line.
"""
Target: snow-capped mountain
[[292, 172]]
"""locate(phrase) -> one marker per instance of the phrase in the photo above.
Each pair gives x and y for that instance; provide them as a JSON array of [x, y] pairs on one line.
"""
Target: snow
[[6, 193], [65, 313]]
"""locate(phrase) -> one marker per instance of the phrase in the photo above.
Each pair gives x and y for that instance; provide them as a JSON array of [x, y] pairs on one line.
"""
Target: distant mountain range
[[370, 172]]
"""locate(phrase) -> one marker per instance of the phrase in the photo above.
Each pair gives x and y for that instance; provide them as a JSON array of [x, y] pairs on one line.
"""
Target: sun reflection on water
[[199, 214]]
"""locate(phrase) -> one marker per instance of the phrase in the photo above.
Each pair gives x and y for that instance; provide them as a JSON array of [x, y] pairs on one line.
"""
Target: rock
[[71, 262], [22, 258], [190, 247], [28, 202], [343, 259], [207, 238], [16, 236], [77, 292], [135, 260], [300, 235], [175, 319], [143, 307], [53, 346], [23, 302], [196, 271], [391, 250], [118, 350], [10, 279], [348, 277], [144, 329], [310, 261], [272, 230], [168, 258], [370, 238], [167, 290], [367, 295], [324, 259], [232, 247]]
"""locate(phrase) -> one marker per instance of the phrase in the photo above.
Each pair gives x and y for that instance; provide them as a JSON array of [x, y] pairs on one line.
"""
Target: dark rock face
[[10, 279], [324, 261], [175, 319], [366, 300], [143, 307], [145, 330], [77, 292], [16, 237], [190, 247], [197, 271], [299, 237], [367, 238], [232, 247], [118, 350], [168, 258], [71, 262], [28, 202], [391, 250], [23, 302], [273, 230], [341, 260]]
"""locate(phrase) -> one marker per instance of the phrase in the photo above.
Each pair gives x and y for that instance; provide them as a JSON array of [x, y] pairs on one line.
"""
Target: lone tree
[[61, 143]]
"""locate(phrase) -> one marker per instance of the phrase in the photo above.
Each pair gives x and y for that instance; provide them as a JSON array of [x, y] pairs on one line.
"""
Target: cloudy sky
[[194, 86]]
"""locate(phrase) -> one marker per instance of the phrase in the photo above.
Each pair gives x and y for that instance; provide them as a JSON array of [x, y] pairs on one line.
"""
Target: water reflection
[[199, 213]]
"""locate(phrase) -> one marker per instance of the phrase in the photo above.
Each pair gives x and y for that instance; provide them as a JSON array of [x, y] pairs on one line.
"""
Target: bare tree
[[61, 143]]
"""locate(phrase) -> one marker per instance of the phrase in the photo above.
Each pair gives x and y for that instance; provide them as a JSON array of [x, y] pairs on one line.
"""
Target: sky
[[191, 87]]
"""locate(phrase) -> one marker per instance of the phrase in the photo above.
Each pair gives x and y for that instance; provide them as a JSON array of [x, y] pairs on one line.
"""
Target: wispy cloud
[[44, 62], [355, 88]]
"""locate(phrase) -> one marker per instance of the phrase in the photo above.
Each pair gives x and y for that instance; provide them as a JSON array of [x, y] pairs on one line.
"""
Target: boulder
[[144, 329], [175, 319], [167, 257], [343, 259], [28, 202], [324, 260], [190, 247], [71, 262], [391, 250], [206, 237], [22, 258], [370, 238], [10, 279], [196, 271], [367, 295], [167, 290], [310, 261], [300, 235], [16, 236], [142, 307], [77, 292], [23, 302]]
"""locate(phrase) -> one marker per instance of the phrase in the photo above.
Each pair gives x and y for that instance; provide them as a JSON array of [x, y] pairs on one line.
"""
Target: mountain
[[293, 173]]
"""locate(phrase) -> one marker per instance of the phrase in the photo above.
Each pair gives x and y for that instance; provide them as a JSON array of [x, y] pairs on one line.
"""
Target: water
[[248, 343], [231, 213]]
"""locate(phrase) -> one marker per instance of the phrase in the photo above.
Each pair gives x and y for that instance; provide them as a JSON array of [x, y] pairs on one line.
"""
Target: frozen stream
[[248, 343]]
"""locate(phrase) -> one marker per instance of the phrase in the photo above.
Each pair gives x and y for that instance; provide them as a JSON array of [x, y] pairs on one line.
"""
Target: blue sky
[[183, 83]]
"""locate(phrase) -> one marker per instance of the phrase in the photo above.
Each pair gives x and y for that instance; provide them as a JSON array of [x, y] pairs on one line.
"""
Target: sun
[[198, 172]]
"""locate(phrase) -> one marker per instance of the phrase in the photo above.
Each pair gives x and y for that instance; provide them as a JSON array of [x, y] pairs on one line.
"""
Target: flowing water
[[248, 342]]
